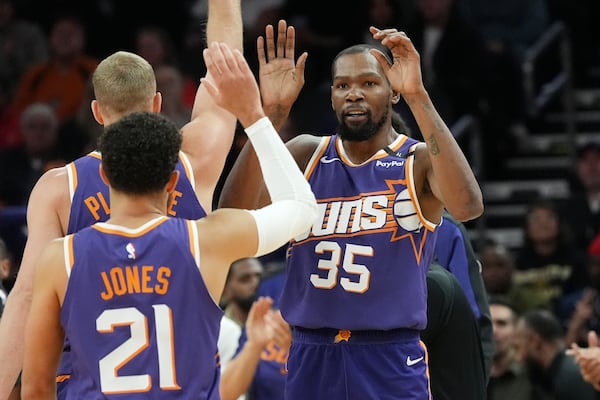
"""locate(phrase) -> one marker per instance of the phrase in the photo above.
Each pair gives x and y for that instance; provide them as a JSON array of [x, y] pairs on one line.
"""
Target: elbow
[[471, 209]]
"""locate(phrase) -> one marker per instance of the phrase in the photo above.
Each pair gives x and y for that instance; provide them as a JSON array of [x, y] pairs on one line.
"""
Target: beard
[[246, 303], [537, 374], [363, 132]]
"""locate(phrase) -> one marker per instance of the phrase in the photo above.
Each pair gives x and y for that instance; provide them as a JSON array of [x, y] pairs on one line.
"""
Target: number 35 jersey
[[363, 263], [140, 320]]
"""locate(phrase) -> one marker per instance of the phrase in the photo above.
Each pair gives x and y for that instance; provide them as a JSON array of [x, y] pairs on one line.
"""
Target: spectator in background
[[387, 14], [508, 378], [62, 81], [541, 346], [497, 270], [20, 168], [169, 82], [22, 45], [240, 288], [508, 28], [155, 46], [582, 208], [452, 57], [549, 267], [586, 315], [259, 368]]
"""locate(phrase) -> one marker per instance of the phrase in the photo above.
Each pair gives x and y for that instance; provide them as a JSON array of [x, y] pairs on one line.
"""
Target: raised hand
[[405, 72], [231, 83], [281, 79], [258, 327], [282, 334], [588, 359]]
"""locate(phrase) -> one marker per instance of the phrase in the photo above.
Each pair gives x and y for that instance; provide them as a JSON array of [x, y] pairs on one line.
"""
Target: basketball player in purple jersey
[[58, 205], [128, 291], [355, 289]]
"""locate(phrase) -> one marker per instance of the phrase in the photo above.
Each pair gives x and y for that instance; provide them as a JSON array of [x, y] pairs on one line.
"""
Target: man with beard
[[240, 289], [355, 291], [541, 346]]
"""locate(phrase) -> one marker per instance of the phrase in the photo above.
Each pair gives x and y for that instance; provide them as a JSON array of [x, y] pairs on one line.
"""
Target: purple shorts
[[334, 365]]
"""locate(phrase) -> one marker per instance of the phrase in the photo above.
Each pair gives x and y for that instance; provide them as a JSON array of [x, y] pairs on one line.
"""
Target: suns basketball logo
[[369, 212], [405, 213], [130, 248]]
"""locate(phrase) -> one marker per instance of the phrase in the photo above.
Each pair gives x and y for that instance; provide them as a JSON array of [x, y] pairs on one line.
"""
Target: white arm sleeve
[[293, 207]]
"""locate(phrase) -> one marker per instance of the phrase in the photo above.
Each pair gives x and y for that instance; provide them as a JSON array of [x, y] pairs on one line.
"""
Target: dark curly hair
[[139, 152]]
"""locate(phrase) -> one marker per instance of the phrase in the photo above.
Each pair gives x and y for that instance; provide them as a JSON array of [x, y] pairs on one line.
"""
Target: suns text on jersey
[[119, 281], [350, 216]]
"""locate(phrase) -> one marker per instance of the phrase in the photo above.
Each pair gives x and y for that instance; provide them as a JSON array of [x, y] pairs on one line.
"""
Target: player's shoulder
[[53, 181], [303, 147], [52, 189]]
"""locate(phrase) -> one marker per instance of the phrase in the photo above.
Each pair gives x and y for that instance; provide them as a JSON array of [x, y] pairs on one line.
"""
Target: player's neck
[[133, 211], [361, 151]]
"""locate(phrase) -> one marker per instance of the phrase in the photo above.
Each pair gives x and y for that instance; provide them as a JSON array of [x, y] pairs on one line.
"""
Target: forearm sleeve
[[293, 207]]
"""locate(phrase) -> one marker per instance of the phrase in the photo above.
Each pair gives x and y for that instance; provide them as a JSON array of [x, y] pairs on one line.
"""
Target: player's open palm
[[258, 328], [405, 72], [231, 83], [281, 79]]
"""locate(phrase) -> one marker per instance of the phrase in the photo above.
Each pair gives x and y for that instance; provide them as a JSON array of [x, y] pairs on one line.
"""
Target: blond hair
[[124, 82]]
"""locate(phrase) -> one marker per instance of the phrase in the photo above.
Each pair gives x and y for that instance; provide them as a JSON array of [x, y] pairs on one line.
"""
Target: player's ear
[[103, 174], [395, 97], [172, 181], [96, 112], [157, 102]]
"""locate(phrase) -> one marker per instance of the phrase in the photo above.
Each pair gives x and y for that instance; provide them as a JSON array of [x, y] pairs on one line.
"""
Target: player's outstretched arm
[[293, 207], [447, 173], [43, 225], [44, 335], [208, 137]]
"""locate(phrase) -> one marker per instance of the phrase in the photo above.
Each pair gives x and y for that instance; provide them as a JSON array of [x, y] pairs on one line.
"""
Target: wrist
[[417, 96], [251, 118]]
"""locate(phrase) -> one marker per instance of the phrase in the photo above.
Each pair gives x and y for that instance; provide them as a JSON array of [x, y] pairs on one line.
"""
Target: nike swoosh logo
[[411, 362], [326, 160]]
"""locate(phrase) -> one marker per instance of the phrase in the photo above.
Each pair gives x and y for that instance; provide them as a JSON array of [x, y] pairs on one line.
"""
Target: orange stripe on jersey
[[62, 378], [95, 154], [72, 172], [186, 165], [121, 231], [312, 164], [427, 370], [394, 147], [413, 195]]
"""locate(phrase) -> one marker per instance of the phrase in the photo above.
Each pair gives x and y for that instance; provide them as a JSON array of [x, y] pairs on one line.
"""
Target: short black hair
[[544, 323], [358, 49], [588, 147], [139, 152]]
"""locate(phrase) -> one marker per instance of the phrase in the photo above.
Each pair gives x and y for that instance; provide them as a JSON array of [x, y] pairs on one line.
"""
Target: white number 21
[[332, 264], [110, 381]]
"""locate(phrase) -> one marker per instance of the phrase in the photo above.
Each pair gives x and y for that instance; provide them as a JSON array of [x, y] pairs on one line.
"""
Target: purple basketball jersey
[[138, 315], [90, 201], [363, 263]]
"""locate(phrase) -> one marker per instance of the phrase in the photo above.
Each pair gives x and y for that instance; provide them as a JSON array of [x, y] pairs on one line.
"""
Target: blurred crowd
[[471, 54]]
